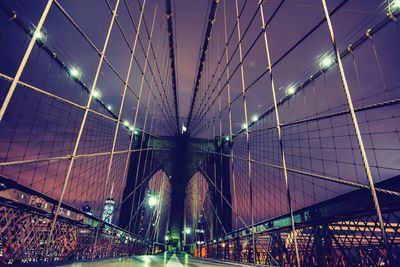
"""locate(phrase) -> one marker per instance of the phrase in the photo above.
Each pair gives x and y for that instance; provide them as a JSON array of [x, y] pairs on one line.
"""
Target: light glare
[[153, 200], [74, 73], [326, 62], [96, 94], [39, 35], [291, 90]]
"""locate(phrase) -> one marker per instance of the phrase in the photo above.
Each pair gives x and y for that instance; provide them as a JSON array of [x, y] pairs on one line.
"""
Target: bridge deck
[[167, 260]]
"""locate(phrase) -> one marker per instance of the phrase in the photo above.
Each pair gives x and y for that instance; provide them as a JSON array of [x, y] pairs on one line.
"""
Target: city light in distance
[[254, 118], [166, 238], [126, 123], [188, 231], [227, 138], [244, 126], [109, 107]]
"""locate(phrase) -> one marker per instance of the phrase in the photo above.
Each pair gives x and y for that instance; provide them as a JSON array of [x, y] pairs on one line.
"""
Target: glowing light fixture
[[291, 90], [396, 4], [74, 72], [326, 62], [96, 94], [244, 126], [254, 118], [227, 138], [153, 200], [126, 123], [39, 35]]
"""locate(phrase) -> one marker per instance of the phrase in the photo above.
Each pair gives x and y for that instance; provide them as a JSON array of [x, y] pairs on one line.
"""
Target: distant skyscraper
[[109, 206]]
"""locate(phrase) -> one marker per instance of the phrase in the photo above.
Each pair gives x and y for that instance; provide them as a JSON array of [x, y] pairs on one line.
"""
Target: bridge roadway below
[[167, 260]]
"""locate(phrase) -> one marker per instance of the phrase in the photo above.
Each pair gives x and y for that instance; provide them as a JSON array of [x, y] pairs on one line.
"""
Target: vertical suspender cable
[[140, 96], [246, 129], [230, 114]]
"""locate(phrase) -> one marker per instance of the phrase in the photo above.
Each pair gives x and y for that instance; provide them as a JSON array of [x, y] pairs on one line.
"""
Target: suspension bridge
[[200, 133]]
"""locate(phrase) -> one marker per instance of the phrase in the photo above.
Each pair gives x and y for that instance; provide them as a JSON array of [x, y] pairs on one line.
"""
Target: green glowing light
[[396, 4], [153, 200]]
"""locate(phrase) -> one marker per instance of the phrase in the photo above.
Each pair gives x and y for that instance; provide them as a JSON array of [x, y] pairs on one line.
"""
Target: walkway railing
[[25, 223]]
